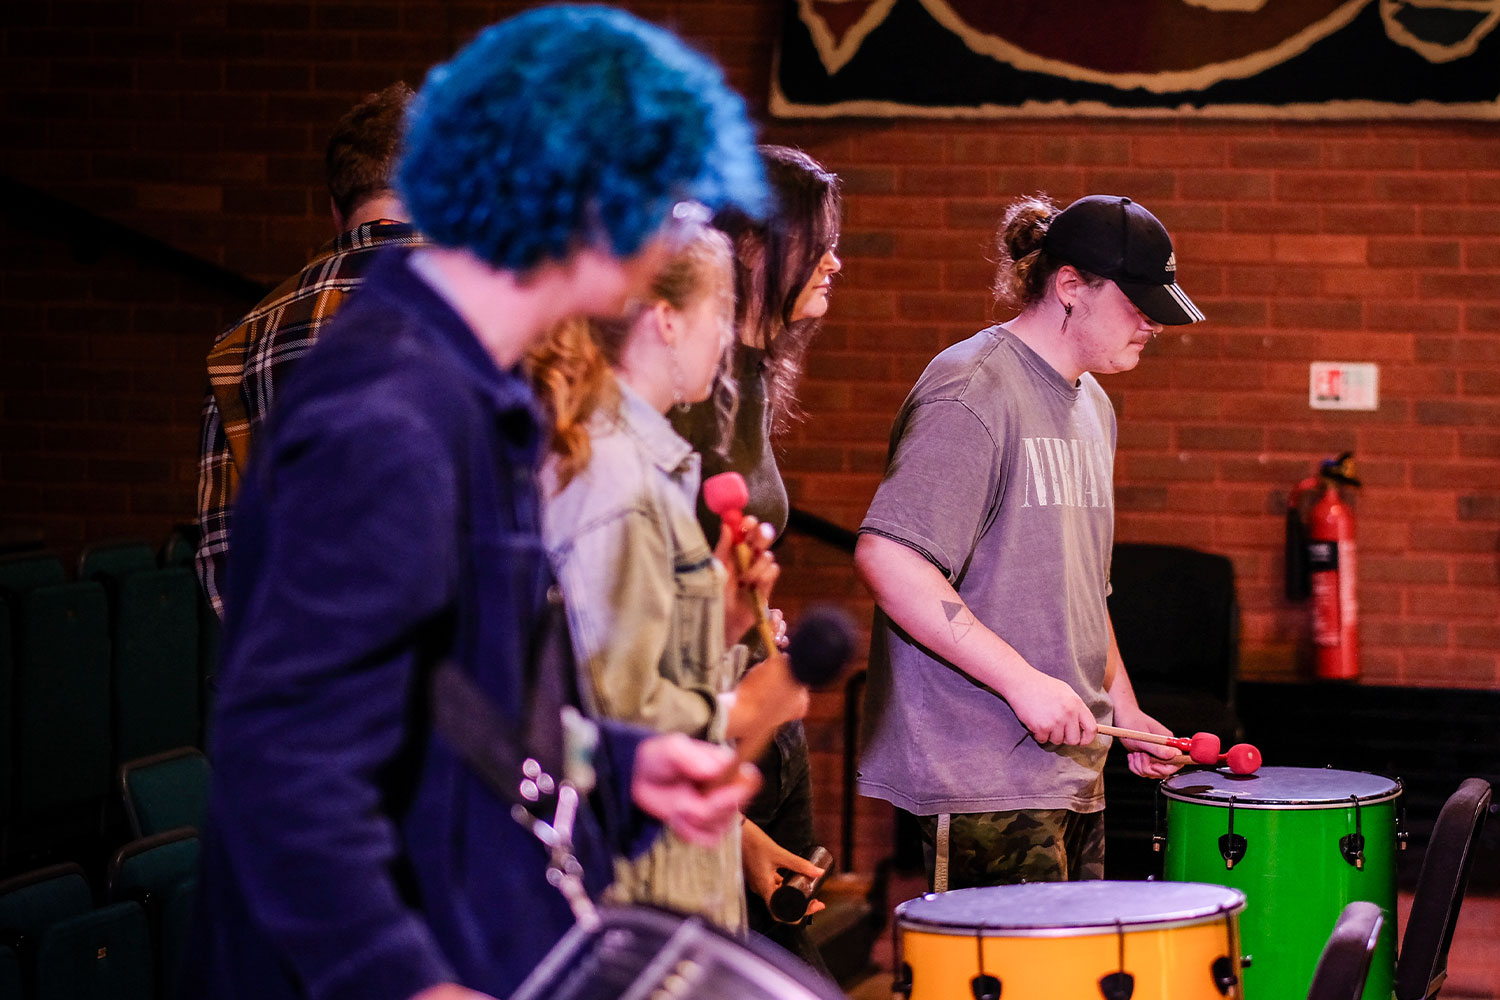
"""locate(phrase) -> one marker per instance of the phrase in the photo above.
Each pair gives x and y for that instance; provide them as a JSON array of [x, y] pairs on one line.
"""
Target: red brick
[[1460, 221], [1480, 444], [1453, 604], [1149, 186], [1370, 155], [1062, 184], [1320, 249], [1246, 218], [1179, 151], [1421, 188], [1327, 315], [1369, 220], [1229, 248], [1483, 255], [1366, 283], [1274, 153], [900, 146], [1412, 317], [1483, 187], [1458, 286], [1457, 413], [1324, 187], [944, 181], [990, 149], [1481, 317], [1101, 151], [896, 212], [1470, 154]]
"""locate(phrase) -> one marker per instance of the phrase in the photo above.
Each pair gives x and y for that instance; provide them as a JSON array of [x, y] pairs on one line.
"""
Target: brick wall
[[201, 124]]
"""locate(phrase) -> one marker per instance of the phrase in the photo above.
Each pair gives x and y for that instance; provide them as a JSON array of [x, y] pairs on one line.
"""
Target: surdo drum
[[643, 953], [1074, 940], [1300, 843]]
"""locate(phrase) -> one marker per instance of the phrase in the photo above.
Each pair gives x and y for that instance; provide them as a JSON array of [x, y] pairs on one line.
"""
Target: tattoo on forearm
[[960, 619]]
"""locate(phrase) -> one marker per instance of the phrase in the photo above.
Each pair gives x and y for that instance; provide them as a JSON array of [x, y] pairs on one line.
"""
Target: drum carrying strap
[[940, 852]]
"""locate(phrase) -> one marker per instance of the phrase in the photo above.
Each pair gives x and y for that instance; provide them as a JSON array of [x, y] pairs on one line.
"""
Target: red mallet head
[[1204, 749], [726, 495], [1243, 759]]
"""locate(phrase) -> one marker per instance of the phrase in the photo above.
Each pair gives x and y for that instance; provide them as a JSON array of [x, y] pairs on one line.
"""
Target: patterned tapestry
[[1140, 58]]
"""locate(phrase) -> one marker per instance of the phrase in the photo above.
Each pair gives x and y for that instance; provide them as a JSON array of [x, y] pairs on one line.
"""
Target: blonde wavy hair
[[572, 368]]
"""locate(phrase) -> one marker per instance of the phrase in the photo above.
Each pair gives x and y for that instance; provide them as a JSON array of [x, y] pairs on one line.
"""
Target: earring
[[679, 402], [1067, 315]]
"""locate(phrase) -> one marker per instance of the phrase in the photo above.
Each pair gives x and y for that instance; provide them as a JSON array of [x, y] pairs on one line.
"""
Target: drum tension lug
[[1224, 977], [986, 987], [902, 983], [1352, 845], [1232, 846], [1117, 986]]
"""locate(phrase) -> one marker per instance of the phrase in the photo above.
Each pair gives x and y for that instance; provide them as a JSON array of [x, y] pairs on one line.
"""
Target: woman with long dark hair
[[784, 269]]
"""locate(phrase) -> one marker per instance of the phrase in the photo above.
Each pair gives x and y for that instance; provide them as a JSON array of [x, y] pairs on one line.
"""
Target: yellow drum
[[1072, 941]]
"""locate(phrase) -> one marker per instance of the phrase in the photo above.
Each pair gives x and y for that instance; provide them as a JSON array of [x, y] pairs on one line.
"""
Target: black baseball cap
[[1115, 238]]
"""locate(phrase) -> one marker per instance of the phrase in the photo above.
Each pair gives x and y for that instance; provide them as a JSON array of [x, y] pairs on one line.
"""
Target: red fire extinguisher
[[1320, 562]]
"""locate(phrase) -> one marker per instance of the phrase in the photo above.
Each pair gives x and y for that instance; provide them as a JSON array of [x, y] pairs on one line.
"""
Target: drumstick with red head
[[1201, 748], [726, 495]]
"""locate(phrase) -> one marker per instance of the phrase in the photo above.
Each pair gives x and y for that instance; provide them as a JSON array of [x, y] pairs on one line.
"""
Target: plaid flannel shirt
[[250, 358]]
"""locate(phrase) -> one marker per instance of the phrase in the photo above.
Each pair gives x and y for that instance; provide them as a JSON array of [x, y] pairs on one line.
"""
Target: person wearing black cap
[[987, 549]]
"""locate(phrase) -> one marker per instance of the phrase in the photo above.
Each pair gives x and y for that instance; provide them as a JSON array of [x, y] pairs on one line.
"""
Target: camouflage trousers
[[1004, 848]]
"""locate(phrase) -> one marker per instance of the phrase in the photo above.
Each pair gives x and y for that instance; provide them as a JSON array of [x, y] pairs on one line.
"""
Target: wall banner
[[1306, 59]]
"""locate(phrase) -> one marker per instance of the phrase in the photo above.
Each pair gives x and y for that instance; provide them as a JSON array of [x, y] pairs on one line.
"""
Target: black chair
[[1345, 961], [160, 873], [57, 946], [1177, 621], [1422, 965], [165, 791], [62, 704], [115, 559], [155, 672], [25, 570]]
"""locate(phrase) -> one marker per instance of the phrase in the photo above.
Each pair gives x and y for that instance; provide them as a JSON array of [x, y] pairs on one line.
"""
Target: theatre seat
[[1344, 964], [1422, 965]]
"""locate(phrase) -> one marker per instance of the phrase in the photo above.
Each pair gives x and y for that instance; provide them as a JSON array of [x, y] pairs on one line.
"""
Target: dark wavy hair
[[361, 155], [775, 259], [572, 126]]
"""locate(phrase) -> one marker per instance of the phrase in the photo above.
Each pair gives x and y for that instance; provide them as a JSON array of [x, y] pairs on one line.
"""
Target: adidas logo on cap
[[1172, 263]]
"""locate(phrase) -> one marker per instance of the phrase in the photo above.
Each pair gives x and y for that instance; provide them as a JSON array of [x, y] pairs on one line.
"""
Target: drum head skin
[[1053, 909], [1281, 788]]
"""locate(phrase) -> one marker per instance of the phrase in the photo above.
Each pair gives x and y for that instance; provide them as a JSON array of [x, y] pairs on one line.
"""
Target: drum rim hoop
[[1266, 802], [1230, 903], [1074, 930]]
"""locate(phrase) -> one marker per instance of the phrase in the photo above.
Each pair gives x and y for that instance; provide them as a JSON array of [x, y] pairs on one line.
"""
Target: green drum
[[1300, 843]]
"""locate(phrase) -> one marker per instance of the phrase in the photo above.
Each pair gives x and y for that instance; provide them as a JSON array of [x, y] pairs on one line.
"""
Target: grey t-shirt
[[1001, 475]]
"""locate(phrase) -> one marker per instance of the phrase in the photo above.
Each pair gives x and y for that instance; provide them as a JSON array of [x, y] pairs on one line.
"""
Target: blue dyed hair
[[572, 126]]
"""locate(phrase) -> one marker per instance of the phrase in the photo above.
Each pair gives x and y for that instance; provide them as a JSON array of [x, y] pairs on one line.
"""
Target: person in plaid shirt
[[250, 359]]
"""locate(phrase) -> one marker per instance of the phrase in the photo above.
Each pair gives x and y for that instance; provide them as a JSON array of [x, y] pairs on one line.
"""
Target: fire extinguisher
[[1320, 562]]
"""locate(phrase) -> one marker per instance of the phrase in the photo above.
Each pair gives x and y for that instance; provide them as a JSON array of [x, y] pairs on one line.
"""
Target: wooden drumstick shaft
[[743, 557], [1179, 742]]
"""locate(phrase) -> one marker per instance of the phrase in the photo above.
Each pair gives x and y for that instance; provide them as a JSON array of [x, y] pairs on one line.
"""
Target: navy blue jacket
[[389, 521]]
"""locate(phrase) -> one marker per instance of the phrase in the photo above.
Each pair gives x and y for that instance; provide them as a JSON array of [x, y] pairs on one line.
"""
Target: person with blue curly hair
[[393, 629]]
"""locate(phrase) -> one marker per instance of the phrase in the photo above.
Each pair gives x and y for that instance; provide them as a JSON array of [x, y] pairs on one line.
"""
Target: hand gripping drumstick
[[726, 495]]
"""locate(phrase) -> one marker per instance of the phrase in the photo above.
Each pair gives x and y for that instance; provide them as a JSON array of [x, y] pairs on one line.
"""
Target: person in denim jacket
[[645, 594]]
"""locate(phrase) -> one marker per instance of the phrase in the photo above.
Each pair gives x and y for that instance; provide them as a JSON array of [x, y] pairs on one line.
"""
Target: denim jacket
[[645, 600]]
